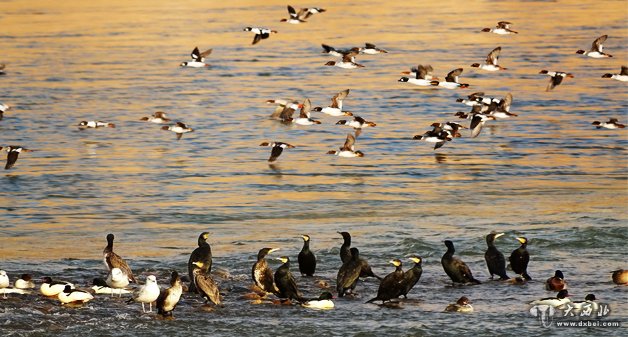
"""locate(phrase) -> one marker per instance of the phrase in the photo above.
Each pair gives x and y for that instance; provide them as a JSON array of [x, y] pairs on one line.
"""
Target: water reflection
[[440, 157]]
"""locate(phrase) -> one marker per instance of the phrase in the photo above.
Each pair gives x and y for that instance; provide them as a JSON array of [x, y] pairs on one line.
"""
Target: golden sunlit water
[[547, 174]]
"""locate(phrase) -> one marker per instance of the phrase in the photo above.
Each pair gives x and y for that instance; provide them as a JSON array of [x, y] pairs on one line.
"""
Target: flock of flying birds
[[283, 285], [483, 108]]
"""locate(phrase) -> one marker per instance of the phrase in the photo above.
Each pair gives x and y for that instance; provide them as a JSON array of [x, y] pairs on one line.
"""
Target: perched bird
[[392, 286], [491, 61], [345, 248], [179, 128], [622, 76], [556, 282], [260, 33], [117, 279], [502, 28], [277, 149], [412, 276], [422, 76], [519, 259], [597, 48], [612, 123], [457, 270], [495, 260], [95, 125], [347, 62], [620, 277], [13, 152], [335, 109], [437, 135], [100, 286], [560, 299], [286, 285], [305, 13], [370, 49], [113, 260], [346, 256], [358, 123], [158, 117], [348, 149], [451, 80], [148, 293], [262, 274], [4, 281], [462, 305], [556, 78], [205, 284], [52, 288], [25, 281], [198, 59], [294, 18], [69, 295], [307, 259], [589, 301], [338, 52], [202, 253], [348, 274], [168, 298], [323, 302]]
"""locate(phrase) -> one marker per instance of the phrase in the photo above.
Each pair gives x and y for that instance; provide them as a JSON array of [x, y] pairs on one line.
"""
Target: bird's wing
[[349, 143], [597, 44], [305, 109], [11, 159], [493, 56], [275, 153], [453, 75]]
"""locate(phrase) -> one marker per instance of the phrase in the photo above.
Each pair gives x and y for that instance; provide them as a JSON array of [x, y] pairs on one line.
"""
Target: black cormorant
[[457, 270], [392, 285], [307, 260], [495, 260], [202, 253], [519, 259], [262, 274]]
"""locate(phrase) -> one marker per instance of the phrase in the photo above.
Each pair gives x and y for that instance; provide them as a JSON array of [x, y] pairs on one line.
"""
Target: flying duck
[[179, 128], [422, 76], [95, 124], [335, 109], [556, 78], [198, 59], [597, 48], [294, 18], [158, 117], [502, 28], [451, 80], [338, 52], [277, 149], [347, 62], [358, 123], [348, 149], [370, 49], [491, 61], [13, 152], [622, 76], [613, 123], [260, 33]]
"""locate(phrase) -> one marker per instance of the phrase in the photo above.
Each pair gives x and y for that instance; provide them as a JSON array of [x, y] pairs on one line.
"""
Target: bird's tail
[[372, 300]]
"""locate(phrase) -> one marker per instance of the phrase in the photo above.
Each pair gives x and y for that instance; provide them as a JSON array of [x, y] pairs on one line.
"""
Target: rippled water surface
[[546, 174]]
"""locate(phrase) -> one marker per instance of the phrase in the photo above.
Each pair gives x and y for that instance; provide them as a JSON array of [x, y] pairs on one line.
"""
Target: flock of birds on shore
[[484, 108], [283, 285]]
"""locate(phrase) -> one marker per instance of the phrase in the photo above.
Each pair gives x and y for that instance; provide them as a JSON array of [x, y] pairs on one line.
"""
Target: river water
[[546, 174]]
